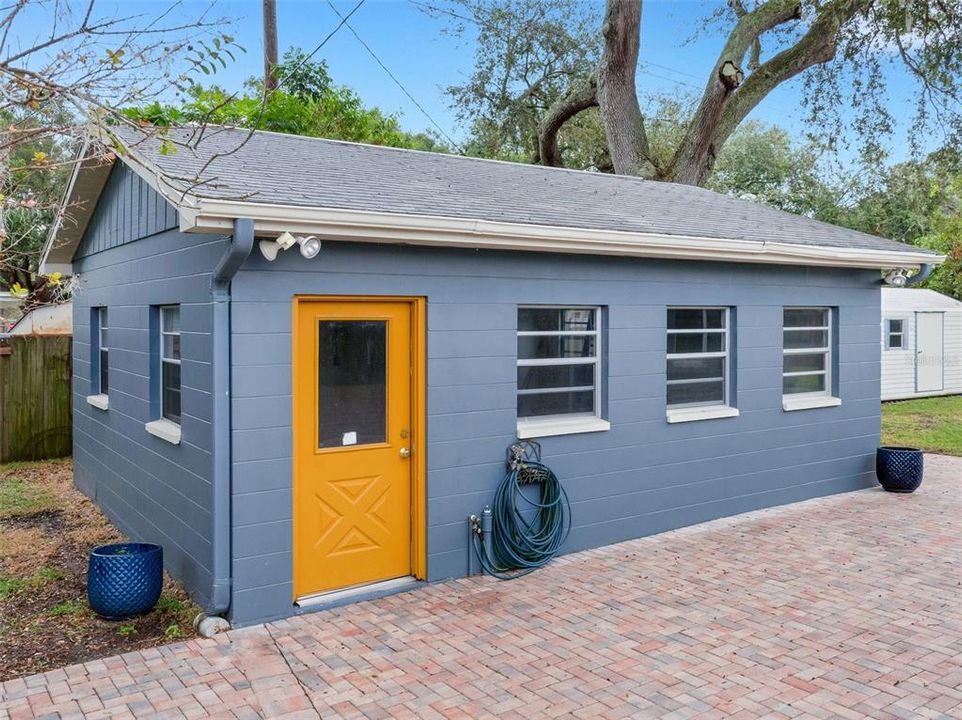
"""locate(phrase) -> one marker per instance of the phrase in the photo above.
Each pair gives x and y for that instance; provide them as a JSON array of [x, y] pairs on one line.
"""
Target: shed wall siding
[[152, 490], [898, 365], [642, 476]]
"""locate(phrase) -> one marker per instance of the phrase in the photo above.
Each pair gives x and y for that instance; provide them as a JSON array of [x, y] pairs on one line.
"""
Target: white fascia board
[[217, 216]]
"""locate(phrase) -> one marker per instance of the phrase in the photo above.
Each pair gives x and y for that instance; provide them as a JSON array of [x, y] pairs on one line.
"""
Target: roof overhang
[[212, 215], [217, 216]]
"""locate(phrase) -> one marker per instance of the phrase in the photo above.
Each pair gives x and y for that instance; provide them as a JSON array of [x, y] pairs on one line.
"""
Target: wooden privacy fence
[[35, 397]]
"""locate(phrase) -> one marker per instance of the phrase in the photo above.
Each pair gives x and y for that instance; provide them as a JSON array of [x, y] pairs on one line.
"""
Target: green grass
[[19, 497], [10, 585], [932, 424], [69, 607]]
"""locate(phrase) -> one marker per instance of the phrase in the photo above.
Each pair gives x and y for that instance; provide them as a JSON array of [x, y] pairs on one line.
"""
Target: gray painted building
[[292, 427]]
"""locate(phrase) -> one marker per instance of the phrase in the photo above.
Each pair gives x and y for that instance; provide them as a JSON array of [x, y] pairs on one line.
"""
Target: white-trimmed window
[[895, 334], [559, 363], [807, 351], [170, 363], [698, 357], [103, 352]]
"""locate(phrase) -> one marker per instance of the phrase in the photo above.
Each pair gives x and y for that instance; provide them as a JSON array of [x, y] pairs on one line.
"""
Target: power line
[[344, 21], [312, 53]]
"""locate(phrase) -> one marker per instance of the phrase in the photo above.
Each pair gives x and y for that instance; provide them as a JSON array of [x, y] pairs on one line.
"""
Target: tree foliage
[[842, 49], [64, 83], [307, 102]]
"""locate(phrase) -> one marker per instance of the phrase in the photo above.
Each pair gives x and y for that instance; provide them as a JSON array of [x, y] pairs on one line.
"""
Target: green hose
[[520, 545]]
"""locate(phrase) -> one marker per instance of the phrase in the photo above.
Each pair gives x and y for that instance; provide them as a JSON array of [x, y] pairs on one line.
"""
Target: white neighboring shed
[[46, 320], [921, 344]]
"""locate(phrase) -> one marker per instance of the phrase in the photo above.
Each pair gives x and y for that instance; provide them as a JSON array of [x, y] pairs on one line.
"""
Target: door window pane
[[352, 382]]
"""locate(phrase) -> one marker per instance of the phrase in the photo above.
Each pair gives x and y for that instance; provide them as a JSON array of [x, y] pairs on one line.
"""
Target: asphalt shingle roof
[[281, 169]]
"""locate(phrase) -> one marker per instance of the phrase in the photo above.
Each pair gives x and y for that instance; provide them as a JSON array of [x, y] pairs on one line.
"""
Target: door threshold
[[334, 598]]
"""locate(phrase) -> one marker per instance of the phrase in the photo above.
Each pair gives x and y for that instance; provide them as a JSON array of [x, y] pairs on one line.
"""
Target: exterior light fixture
[[896, 278], [269, 249], [310, 246]]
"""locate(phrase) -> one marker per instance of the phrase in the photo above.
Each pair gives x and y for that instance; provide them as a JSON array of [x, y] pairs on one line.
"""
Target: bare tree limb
[[582, 95]]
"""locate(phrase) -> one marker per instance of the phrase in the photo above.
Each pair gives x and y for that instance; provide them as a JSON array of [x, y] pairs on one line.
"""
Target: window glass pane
[[171, 347], [556, 319], [552, 376], [696, 343], [695, 318], [800, 339], [352, 377], [804, 363], [103, 371], [895, 326], [707, 393], [895, 341], [803, 384], [102, 339], [696, 368], [556, 346], [170, 391], [806, 317], [170, 319], [558, 403]]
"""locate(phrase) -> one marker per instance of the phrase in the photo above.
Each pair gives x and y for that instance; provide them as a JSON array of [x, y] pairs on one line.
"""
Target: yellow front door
[[353, 402]]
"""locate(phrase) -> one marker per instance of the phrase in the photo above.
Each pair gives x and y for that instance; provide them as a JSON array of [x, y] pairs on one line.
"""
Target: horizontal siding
[[641, 476], [898, 365], [152, 490]]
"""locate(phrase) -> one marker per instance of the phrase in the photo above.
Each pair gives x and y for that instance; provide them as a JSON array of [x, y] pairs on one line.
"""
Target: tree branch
[[582, 95], [817, 46], [617, 95], [723, 107]]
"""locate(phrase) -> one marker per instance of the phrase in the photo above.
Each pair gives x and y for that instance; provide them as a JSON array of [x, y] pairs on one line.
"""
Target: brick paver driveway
[[849, 606]]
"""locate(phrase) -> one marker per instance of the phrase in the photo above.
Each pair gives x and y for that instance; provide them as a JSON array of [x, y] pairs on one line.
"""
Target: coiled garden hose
[[526, 532]]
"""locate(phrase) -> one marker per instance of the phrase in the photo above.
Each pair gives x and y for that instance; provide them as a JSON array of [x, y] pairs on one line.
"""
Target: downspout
[[240, 248], [923, 273]]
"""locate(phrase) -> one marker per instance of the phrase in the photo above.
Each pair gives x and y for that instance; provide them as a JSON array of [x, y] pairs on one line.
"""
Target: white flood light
[[269, 249], [896, 278], [285, 240], [310, 246]]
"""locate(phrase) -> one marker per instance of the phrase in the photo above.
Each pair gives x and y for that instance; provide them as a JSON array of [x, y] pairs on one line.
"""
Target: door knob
[[405, 453]]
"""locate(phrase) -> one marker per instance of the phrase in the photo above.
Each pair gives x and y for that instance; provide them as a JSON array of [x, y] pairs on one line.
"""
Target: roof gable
[[128, 209]]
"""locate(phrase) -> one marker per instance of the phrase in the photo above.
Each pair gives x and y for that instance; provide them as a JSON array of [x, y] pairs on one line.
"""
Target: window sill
[[691, 414], [560, 426], [790, 403], [165, 430], [101, 402]]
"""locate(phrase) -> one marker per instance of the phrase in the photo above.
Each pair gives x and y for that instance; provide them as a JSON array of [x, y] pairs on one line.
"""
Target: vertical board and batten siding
[[898, 364], [642, 476], [152, 490]]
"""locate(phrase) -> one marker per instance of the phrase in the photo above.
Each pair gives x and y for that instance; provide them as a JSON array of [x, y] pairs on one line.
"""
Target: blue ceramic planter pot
[[899, 469], [125, 579]]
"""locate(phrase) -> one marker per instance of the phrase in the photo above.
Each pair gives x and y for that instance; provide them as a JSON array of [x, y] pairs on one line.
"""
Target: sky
[[413, 46]]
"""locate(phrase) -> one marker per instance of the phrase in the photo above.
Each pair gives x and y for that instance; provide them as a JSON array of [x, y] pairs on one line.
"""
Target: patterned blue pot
[[125, 579], [899, 469]]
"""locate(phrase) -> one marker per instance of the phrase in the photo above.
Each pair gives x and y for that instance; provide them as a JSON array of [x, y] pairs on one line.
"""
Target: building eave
[[210, 215]]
